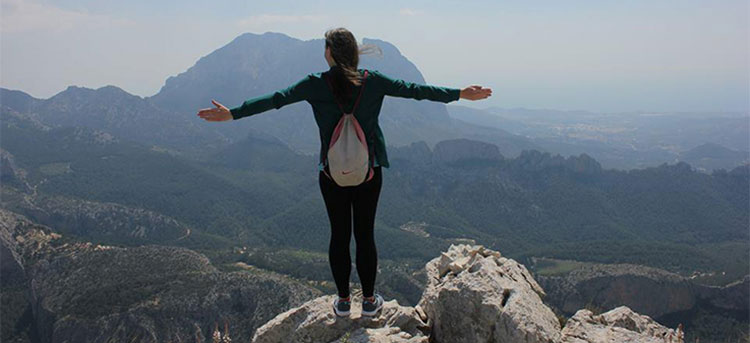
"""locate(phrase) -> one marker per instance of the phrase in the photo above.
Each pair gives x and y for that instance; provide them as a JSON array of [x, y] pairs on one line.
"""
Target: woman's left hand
[[475, 92], [220, 113]]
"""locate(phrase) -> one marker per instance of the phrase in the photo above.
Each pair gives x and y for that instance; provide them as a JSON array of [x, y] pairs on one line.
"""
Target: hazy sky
[[680, 55]]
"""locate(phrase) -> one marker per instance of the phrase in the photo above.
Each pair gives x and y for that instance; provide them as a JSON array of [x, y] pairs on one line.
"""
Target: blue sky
[[606, 56]]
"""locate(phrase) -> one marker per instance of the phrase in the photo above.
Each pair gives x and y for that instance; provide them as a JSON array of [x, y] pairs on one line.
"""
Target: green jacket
[[314, 89]]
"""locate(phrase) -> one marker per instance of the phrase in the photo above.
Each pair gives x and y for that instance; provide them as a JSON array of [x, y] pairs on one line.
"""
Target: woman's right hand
[[220, 113], [475, 92]]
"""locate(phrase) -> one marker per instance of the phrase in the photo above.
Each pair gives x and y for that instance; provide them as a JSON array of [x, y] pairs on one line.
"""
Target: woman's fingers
[[220, 113], [485, 91], [217, 104], [214, 114], [207, 111], [477, 92]]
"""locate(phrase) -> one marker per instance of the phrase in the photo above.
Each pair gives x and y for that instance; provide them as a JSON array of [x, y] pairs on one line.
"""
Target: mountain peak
[[536, 160], [17, 100], [473, 294], [108, 90], [460, 149], [268, 35], [711, 150], [253, 64]]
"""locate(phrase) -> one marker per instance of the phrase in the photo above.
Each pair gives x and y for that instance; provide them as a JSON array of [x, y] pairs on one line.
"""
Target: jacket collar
[[336, 66]]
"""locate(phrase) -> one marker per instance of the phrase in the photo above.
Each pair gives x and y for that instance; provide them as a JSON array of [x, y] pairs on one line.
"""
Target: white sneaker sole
[[372, 314], [341, 314]]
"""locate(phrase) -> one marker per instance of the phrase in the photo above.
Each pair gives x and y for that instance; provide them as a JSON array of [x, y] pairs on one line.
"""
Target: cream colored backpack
[[348, 155]]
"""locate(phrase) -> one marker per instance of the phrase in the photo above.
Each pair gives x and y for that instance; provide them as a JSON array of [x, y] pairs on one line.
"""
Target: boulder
[[474, 294], [619, 325]]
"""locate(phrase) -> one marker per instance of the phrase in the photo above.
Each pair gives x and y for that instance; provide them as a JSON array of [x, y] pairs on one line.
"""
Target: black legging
[[340, 201]]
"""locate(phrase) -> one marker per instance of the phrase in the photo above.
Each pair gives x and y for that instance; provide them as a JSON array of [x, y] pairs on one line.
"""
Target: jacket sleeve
[[278, 99], [404, 89]]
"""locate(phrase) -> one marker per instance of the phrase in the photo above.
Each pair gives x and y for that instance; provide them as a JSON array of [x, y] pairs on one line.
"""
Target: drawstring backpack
[[348, 155]]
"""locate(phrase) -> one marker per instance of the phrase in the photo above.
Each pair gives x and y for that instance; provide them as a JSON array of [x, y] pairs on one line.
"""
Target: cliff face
[[82, 292], [647, 290], [102, 220], [473, 295], [734, 296], [651, 291]]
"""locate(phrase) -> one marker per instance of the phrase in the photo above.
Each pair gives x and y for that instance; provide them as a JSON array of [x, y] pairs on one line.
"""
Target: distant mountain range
[[626, 140], [257, 64], [249, 66], [711, 156]]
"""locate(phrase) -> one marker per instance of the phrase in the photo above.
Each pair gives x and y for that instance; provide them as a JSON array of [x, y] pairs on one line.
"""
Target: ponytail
[[345, 53]]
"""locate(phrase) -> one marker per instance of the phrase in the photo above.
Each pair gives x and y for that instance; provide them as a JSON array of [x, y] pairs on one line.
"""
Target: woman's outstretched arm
[[294, 93], [404, 89]]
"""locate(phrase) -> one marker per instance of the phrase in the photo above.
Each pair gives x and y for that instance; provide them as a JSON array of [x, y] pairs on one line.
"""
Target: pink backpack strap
[[360, 92]]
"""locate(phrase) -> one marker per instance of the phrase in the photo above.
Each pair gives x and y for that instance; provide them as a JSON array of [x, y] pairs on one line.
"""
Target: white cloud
[[263, 20], [25, 15], [409, 12]]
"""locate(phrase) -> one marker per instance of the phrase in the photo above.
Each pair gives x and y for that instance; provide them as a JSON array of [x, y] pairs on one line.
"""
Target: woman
[[342, 84]]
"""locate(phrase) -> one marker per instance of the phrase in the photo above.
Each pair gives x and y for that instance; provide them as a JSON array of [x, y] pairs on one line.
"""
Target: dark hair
[[345, 52]]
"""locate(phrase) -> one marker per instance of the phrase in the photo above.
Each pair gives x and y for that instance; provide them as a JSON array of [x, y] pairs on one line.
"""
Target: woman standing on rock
[[330, 93]]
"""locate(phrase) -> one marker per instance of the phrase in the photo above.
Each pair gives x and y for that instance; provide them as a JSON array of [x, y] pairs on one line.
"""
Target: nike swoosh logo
[[346, 172]]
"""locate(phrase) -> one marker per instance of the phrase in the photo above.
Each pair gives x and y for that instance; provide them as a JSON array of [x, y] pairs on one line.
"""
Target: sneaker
[[371, 308], [342, 306]]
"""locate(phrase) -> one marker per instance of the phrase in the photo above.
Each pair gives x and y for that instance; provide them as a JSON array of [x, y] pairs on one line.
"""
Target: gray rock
[[315, 322], [619, 325], [474, 294]]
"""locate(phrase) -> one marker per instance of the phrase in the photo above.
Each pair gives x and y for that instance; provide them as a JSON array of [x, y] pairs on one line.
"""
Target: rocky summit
[[473, 294]]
